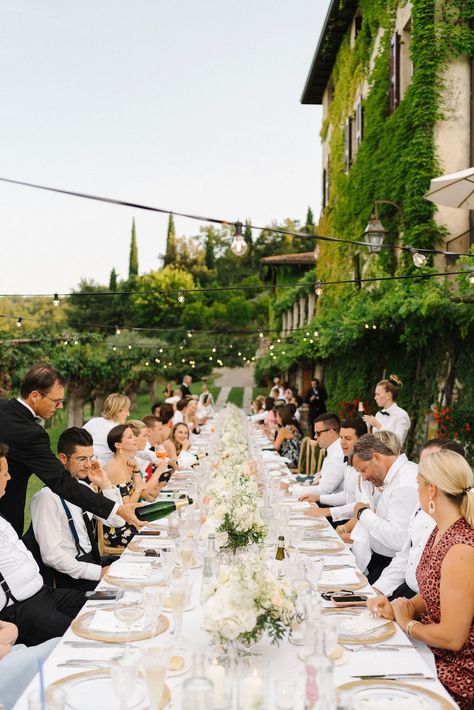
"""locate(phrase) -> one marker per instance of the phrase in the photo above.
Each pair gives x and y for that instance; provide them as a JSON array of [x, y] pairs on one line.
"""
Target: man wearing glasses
[[41, 394], [64, 532], [331, 477]]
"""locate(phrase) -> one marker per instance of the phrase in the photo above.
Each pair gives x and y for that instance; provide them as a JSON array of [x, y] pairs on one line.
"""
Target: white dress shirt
[[331, 476], [341, 504], [54, 537], [403, 566], [395, 420], [388, 525], [17, 565], [98, 428], [178, 417]]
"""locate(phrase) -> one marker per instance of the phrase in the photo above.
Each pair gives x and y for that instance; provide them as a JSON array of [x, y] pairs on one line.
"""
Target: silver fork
[[366, 647]]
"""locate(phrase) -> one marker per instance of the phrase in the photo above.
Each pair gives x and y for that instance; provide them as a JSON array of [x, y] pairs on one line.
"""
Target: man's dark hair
[[331, 420], [41, 378], [182, 404], [73, 437], [315, 379], [3, 450], [150, 420], [448, 444], [356, 423], [155, 405], [166, 412], [269, 402], [115, 436]]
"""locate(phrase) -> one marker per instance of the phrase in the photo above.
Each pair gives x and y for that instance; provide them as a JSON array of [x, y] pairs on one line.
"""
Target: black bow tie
[[386, 414], [346, 459]]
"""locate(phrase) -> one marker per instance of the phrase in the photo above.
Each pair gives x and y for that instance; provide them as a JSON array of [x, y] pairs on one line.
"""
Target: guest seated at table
[[331, 477], [65, 533], [40, 613], [116, 410], [179, 445], [399, 578], [383, 531], [441, 614], [258, 410], [18, 663], [340, 506], [297, 401], [288, 437], [180, 410], [205, 403], [391, 417], [166, 415], [190, 417], [155, 409]]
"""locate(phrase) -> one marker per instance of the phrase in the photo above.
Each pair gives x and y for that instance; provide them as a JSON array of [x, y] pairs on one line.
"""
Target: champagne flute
[[178, 588], [129, 609], [153, 601], [123, 672], [186, 551], [155, 659]]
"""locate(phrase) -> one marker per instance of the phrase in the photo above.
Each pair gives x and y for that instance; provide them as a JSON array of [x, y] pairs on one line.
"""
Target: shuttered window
[[394, 71]]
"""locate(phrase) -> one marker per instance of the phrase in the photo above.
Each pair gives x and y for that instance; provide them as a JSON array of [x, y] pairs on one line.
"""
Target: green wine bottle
[[161, 509], [280, 553]]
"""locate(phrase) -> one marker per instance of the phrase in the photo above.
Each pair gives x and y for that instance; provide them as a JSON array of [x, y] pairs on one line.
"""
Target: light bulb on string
[[117, 330], [316, 334], [76, 342], [56, 299], [181, 296], [190, 335], [129, 347], [147, 364], [418, 259], [183, 359], [213, 350], [260, 335], [114, 348], [19, 322], [471, 278], [239, 245], [157, 360], [318, 289]]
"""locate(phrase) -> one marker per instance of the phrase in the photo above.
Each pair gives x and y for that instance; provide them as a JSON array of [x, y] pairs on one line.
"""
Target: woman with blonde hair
[[391, 417], [116, 410], [442, 613]]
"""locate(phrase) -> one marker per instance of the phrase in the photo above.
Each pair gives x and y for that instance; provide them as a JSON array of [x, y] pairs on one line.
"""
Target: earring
[[431, 507]]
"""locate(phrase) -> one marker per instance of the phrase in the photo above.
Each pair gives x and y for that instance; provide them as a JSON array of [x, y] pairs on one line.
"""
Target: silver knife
[[393, 676]]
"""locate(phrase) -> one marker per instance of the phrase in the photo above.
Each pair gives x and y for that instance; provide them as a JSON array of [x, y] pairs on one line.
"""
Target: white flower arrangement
[[245, 601]]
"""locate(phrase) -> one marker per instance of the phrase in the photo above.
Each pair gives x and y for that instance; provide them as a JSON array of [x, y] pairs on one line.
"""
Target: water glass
[[178, 591], [129, 608], [152, 602], [154, 661], [123, 672], [285, 694]]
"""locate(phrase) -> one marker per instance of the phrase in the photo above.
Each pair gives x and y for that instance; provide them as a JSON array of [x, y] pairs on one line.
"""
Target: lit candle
[[252, 692], [216, 673]]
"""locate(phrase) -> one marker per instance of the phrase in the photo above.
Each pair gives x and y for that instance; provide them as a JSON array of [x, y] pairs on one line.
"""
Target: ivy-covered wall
[[410, 327]]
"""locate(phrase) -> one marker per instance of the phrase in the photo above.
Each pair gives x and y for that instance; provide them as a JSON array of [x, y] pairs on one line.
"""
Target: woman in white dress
[[116, 411], [391, 417]]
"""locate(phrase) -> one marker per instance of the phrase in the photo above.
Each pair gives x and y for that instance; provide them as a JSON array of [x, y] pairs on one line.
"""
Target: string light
[[260, 335], [19, 322], [318, 289], [147, 363], [239, 245], [181, 297], [129, 347], [117, 330], [418, 259], [471, 278], [190, 335], [55, 300]]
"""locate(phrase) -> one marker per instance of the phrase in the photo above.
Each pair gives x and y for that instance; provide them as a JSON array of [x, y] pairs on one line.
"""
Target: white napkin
[[316, 545], [360, 624], [304, 523], [300, 505], [130, 570], [107, 621], [150, 542], [270, 456], [403, 661], [185, 459], [338, 577]]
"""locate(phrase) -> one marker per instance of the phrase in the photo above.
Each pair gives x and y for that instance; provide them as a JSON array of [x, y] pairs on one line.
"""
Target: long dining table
[[398, 654]]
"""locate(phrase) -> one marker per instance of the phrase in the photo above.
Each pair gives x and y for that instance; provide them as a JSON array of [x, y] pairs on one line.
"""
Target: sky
[[189, 105]]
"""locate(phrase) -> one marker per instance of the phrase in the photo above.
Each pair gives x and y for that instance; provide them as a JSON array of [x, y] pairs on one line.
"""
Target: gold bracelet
[[409, 627]]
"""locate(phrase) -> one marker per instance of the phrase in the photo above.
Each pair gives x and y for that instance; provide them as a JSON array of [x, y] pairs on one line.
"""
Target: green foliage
[[171, 252], [133, 259]]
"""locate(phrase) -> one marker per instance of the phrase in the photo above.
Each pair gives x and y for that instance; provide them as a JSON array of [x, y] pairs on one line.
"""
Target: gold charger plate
[[394, 686], [320, 549], [151, 581], [80, 626], [382, 633], [135, 544], [311, 523], [363, 581], [103, 673]]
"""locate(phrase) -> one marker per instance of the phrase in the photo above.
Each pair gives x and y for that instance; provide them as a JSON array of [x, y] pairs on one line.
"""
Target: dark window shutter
[[348, 144], [359, 122], [325, 177], [394, 71], [326, 185]]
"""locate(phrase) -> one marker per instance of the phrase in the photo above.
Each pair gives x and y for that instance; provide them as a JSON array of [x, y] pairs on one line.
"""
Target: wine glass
[[129, 608], [155, 659], [153, 597], [186, 551], [178, 590], [123, 672]]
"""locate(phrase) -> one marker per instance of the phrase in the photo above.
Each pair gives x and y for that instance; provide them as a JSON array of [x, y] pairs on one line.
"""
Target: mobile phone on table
[[153, 533], [349, 599], [102, 594]]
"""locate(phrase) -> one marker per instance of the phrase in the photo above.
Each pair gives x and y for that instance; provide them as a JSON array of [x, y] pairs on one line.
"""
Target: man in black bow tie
[[316, 398]]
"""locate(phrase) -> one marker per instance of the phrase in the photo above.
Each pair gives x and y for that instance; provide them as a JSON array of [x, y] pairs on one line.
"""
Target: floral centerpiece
[[245, 601], [233, 492]]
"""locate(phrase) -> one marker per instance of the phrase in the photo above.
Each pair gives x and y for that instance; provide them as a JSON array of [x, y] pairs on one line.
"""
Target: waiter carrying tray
[[41, 394]]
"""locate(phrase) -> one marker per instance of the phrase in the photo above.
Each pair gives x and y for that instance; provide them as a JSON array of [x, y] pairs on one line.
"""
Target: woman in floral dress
[[288, 439]]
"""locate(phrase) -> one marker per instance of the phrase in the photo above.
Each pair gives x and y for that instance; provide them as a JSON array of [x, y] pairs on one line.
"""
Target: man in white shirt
[[387, 525], [399, 578], [40, 613], [331, 477], [64, 532], [339, 506]]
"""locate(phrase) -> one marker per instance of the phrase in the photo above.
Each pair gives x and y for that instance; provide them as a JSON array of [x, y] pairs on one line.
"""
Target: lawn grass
[[58, 425], [236, 396], [260, 391]]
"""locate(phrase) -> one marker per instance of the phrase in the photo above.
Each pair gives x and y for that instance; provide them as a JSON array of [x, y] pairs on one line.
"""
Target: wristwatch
[[360, 511]]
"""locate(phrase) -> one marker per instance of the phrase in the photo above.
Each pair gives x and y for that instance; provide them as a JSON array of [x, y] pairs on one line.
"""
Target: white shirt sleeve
[[391, 532], [394, 574]]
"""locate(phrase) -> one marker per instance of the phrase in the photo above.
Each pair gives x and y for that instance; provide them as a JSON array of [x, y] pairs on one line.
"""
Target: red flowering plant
[[453, 423], [349, 409]]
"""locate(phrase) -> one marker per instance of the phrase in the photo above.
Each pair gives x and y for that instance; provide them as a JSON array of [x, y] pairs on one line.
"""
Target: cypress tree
[[113, 280], [309, 226], [209, 256], [133, 260], [171, 252]]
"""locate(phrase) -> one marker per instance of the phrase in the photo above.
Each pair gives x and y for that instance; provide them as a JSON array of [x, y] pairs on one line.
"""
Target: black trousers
[[376, 566], [403, 591], [45, 615], [87, 585]]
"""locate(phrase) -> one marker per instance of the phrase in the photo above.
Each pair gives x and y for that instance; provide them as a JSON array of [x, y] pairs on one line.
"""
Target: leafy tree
[[151, 308], [133, 260]]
